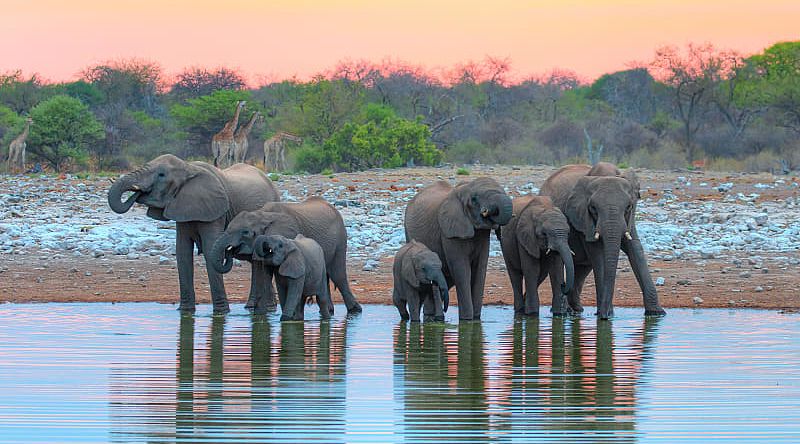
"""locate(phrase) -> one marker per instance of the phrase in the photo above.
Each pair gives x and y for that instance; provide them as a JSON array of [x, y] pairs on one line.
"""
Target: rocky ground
[[713, 239]]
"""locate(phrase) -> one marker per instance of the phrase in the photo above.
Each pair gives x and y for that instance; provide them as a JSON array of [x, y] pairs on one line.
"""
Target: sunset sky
[[274, 39]]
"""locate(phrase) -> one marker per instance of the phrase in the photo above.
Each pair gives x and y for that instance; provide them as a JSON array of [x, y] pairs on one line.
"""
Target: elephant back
[[560, 184], [248, 187]]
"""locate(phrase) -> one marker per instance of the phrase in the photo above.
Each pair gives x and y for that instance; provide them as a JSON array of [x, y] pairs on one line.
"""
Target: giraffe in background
[[223, 143], [275, 148], [240, 137], [16, 150]]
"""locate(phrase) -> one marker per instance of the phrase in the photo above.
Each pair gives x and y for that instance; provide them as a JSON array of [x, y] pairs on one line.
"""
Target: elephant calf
[[299, 268], [536, 234], [418, 278]]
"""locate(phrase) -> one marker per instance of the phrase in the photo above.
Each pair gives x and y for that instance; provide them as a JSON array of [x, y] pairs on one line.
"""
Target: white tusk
[[136, 188], [547, 252], [628, 235], [229, 248], [573, 253], [596, 235]]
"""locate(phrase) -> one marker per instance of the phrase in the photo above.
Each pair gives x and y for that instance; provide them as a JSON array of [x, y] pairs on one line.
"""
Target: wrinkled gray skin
[[299, 268], [455, 223], [418, 279], [600, 205], [314, 218], [201, 199], [537, 235]]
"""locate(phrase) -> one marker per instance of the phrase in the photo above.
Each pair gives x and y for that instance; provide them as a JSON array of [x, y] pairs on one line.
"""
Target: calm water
[[140, 372]]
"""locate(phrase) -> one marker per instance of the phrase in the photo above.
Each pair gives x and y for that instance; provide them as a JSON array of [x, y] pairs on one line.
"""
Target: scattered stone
[[707, 255], [370, 265], [745, 274], [163, 260], [88, 273], [667, 258], [758, 289], [683, 282], [73, 270], [697, 300], [764, 270], [731, 302], [660, 281]]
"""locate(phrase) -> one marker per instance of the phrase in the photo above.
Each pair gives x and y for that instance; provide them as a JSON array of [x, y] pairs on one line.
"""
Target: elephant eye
[[161, 174]]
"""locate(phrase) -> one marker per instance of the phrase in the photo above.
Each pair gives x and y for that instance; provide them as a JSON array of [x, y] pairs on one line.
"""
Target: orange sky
[[279, 38]]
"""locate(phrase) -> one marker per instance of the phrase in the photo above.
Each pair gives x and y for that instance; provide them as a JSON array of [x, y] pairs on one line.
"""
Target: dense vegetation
[[691, 105]]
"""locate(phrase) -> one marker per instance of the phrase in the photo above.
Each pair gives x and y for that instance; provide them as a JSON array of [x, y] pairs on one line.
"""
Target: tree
[[778, 85], [21, 94], [198, 82], [694, 76], [63, 128], [10, 125]]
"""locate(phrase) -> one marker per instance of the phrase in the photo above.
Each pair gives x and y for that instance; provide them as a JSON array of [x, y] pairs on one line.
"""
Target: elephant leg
[[294, 290], [554, 264], [479, 281], [515, 276], [436, 301], [462, 277], [574, 296], [604, 308], [400, 304], [413, 306], [208, 235], [633, 249], [530, 271], [184, 251], [325, 303], [338, 274], [282, 296]]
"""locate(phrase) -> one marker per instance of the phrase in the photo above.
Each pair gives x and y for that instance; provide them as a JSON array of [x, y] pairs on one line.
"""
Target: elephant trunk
[[562, 247], [505, 211], [612, 239], [441, 283], [123, 184], [221, 254]]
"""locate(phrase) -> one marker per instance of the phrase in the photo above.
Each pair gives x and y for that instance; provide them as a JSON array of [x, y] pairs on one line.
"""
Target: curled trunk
[[221, 255], [441, 284], [122, 185]]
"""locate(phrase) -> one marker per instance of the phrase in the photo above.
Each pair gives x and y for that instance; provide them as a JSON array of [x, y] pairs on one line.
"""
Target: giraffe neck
[[231, 125], [22, 137], [245, 130]]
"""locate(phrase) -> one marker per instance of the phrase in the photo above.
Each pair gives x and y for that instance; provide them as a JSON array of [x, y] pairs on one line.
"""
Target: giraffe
[[240, 137], [275, 147], [16, 150], [222, 144]]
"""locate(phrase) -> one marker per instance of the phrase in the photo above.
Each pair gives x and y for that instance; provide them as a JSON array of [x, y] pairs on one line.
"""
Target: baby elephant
[[534, 242], [418, 278], [299, 268]]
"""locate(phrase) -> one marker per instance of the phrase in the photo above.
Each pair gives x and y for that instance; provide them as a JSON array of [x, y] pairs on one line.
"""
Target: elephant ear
[[577, 209], [407, 269], [202, 198], [453, 218], [632, 179], [526, 234], [294, 265]]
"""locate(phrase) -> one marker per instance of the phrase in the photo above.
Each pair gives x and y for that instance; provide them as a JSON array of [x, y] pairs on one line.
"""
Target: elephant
[[418, 278], [537, 234], [600, 205], [454, 223], [299, 268], [201, 199], [314, 218]]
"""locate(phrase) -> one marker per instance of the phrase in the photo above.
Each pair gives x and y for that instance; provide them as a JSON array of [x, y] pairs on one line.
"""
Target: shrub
[[312, 159], [470, 151], [63, 128], [462, 172]]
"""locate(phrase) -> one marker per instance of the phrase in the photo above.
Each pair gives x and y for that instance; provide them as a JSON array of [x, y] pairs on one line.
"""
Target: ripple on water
[[141, 372]]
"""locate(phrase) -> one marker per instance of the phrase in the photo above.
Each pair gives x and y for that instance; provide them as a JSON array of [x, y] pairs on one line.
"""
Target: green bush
[[462, 172], [311, 158], [63, 128]]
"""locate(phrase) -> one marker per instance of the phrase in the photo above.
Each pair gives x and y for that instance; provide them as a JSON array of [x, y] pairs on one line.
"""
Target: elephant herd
[[581, 219]]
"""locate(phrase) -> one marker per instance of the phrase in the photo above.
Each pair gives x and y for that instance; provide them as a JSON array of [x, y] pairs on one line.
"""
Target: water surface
[[141, 372]]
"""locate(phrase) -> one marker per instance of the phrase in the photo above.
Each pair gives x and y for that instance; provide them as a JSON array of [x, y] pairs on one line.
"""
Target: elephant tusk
[[135, 188], [573, 253], [230, 247], [484, 212], [628, 235], [596, 235], [547, 252]]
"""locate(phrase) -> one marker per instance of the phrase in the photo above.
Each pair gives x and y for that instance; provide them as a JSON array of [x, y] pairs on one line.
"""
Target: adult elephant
[[600, 205], [455, 223], [202, 199], [314, 218]]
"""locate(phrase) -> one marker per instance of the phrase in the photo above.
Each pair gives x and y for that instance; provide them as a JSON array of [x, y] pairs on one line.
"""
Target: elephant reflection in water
[[571, 381], [439, 373]]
